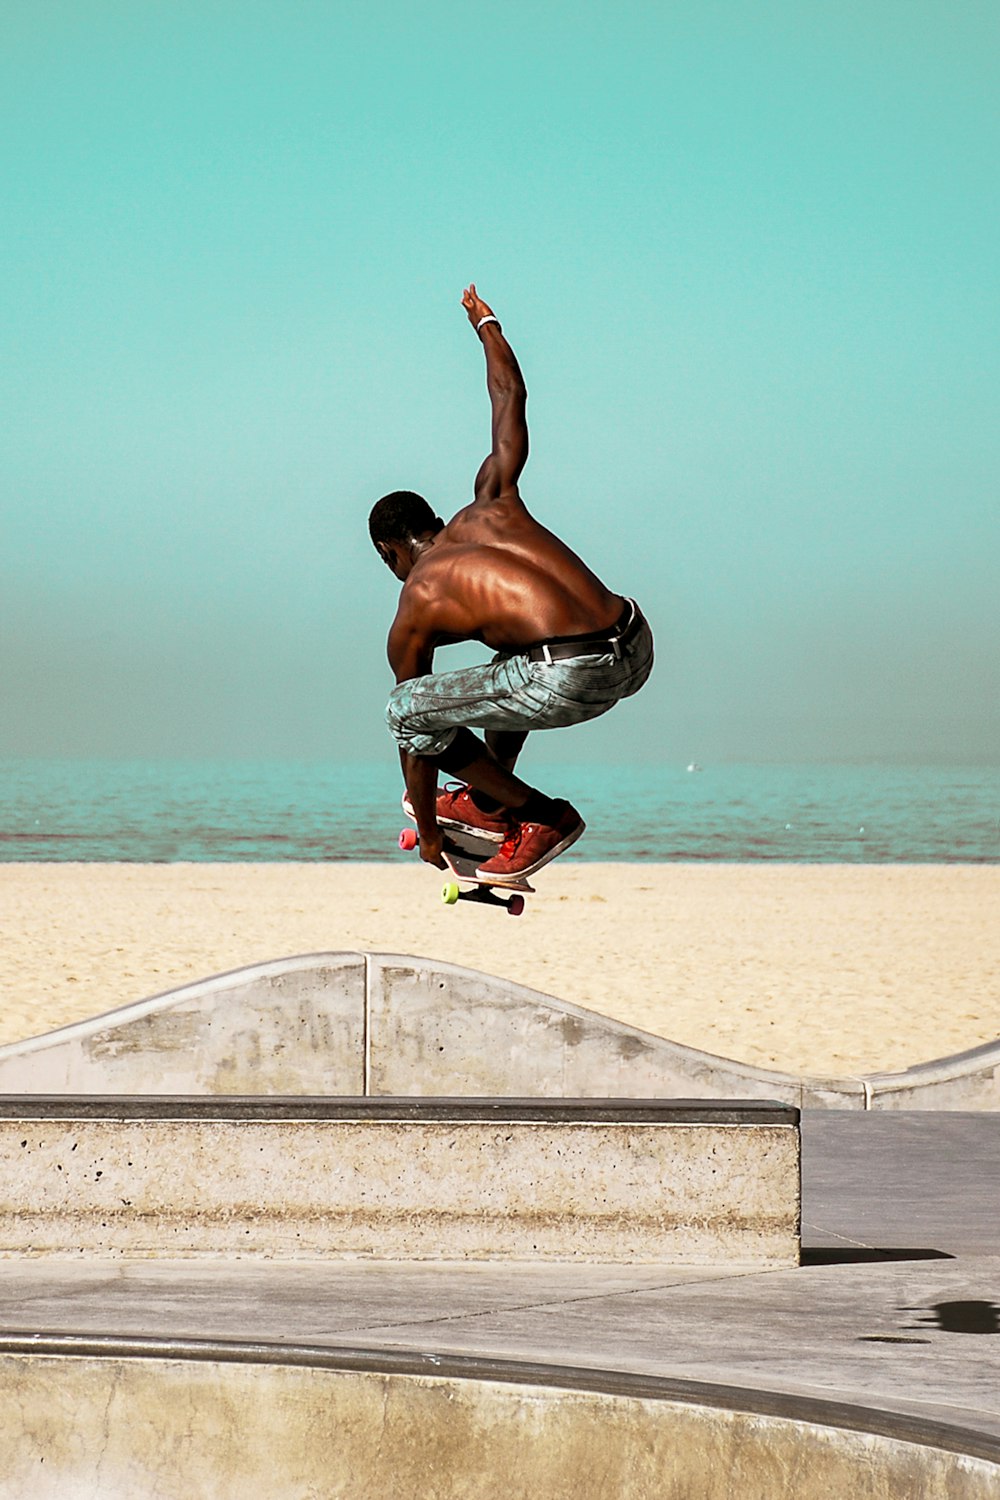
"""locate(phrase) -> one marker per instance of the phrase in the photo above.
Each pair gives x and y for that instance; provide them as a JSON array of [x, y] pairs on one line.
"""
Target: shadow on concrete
[[971, 1316], [833, 1255]]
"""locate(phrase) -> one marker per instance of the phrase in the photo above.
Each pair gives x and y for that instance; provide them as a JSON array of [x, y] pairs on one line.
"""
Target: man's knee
[[396, 716], [408, 736]]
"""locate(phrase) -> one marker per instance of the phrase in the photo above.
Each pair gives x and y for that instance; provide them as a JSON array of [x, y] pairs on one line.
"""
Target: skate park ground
[[872, 1368]]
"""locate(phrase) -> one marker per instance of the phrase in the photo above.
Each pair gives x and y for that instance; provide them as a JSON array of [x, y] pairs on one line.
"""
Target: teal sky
[[746, 252]]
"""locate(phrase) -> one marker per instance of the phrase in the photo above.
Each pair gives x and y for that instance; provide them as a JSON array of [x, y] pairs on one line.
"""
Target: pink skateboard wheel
[[408, 839]]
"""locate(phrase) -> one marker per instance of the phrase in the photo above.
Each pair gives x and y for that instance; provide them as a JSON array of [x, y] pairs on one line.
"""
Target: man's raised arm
[[508, 397]]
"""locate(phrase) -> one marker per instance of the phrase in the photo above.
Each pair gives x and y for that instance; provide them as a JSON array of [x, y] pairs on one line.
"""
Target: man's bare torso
[[494, 574]]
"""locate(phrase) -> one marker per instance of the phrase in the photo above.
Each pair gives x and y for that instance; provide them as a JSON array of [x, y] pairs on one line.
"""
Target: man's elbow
[[408, 667]]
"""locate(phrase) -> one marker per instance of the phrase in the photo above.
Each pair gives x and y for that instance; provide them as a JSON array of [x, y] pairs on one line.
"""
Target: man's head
[[401, 525]]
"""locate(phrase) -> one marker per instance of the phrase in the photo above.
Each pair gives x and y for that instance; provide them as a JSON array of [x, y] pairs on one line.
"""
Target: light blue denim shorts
[[514, 693]]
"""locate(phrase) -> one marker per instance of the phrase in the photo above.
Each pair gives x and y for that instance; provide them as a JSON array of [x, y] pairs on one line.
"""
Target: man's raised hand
[[474, 305]]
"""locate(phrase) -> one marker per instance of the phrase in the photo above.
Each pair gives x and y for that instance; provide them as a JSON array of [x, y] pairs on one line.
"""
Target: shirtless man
[[568, 649]]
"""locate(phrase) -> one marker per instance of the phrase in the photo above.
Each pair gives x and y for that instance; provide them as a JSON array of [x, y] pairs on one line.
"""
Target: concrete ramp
[[115, 1420], [389, 1024], [294, 1026]]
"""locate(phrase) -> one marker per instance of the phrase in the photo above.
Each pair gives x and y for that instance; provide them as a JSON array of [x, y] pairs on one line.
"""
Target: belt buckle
[[546, 654]]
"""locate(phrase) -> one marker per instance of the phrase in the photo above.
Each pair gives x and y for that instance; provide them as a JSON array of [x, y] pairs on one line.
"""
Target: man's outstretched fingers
[[474, 305]]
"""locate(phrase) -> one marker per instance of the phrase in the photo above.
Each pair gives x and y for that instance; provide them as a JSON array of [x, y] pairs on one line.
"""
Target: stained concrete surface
[[100, 1425], [623, 1181], [896, 1310]]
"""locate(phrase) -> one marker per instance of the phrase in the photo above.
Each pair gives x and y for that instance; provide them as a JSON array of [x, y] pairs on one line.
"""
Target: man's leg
[[468, 757], [421, 708], [540, 827], [506, 745], [475, 762], [424, 710]]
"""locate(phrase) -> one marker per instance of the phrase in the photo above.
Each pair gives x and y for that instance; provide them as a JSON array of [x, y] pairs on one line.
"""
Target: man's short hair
[[400, 517]]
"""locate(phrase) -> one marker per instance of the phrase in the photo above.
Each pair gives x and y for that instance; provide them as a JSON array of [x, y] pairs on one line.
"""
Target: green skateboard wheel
[[449, 893]]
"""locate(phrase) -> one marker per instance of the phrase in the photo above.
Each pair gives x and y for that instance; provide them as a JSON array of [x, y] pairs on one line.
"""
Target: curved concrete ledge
[[383, 1023], [121, 1416], [291, 1026], [966, 1080]]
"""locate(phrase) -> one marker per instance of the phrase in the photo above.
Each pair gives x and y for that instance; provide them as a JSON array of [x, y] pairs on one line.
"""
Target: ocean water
[[242, 810]]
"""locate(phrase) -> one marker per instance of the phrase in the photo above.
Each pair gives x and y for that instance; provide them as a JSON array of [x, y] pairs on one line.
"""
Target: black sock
[[484, 803], [537, 808]]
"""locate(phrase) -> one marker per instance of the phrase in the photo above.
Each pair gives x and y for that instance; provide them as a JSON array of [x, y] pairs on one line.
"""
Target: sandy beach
[[809, 968]]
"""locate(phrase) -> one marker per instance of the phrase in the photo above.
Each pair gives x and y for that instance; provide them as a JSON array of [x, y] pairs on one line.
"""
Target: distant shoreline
[[147, 812]]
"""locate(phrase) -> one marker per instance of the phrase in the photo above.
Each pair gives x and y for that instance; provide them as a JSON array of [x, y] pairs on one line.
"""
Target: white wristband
[[489, 318]]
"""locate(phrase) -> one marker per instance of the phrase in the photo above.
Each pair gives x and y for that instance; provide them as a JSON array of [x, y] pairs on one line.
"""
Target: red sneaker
[[529, 846], [456, 809]]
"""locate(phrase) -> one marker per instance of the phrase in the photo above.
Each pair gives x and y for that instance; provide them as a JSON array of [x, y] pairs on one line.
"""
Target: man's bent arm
[[410, 655], [420, 773], [508, 399]]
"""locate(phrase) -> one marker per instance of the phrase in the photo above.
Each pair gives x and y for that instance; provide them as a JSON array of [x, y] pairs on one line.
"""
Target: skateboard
[[463, 852]]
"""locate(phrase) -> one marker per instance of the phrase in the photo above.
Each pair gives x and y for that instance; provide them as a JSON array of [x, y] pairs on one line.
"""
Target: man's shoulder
[[484, 522], [429, 577], [439, 572]]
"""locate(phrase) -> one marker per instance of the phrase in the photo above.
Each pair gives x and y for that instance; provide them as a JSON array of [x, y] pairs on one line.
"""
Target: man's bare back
[[495, 574]]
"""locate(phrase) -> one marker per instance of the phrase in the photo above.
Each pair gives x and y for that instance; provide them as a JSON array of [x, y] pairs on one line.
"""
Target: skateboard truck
[[451, 892]]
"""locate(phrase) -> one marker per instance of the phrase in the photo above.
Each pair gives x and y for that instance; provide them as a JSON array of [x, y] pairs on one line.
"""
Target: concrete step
[[678, 1182]]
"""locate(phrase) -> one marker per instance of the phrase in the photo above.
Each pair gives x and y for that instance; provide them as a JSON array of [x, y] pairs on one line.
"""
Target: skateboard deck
[[464, 851]]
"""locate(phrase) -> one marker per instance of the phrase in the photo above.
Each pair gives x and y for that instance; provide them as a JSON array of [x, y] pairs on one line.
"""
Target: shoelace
[[512, 842]]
